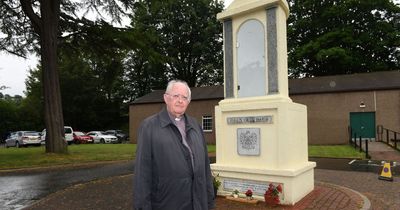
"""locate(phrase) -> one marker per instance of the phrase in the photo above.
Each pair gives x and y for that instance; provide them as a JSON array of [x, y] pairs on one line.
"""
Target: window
[[207, 123]]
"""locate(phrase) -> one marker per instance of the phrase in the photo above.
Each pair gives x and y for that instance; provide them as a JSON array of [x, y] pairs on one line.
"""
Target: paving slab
[[117, 193]]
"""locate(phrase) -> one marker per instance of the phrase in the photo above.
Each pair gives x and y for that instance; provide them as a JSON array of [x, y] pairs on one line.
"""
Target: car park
[[23, 138], [68, 131], [81, 138], [119, 134], [101, 137]]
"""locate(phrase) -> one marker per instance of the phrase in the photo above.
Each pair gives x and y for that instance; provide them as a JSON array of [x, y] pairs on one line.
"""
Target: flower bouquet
[[216, 184], [235, 193], [249, 197], [271, 195]]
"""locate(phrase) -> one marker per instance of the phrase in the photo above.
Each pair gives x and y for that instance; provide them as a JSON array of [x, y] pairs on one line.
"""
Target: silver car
[[101, 137], [23, 138]]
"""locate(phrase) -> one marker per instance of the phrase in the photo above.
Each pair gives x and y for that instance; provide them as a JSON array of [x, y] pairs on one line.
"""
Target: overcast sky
[[14, 70]]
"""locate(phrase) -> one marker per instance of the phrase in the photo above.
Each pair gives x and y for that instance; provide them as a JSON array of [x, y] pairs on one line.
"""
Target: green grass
[[211, 148], [334, 151], [36, 156], [12, 158]]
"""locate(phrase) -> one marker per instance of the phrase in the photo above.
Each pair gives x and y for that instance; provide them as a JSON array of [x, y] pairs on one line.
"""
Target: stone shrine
[[261, 135]]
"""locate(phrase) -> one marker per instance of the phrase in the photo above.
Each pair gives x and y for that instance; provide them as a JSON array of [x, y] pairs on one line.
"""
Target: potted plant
[[235, 193], [216, 184], [249, 194], [271, 195]]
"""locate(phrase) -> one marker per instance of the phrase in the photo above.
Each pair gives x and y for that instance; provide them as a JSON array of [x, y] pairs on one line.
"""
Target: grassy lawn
[[36, 156], [12, 158], [334, 151], [211, 148]]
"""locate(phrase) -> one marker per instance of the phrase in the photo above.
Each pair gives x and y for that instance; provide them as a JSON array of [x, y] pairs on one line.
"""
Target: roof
[[198, 93], [384, 80]]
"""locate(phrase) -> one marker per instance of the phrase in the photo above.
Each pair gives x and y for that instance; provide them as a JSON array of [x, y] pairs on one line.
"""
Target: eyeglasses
[[178, 97]]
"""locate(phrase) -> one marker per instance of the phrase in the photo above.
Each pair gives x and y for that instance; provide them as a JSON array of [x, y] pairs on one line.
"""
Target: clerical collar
[[176, 119]]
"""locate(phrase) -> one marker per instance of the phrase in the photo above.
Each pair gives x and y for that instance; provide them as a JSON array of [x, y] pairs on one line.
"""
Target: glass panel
[[251, 59]]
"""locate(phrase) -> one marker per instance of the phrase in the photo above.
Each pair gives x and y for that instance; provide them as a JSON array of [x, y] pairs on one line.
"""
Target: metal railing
[[390, 137], [353, 139]]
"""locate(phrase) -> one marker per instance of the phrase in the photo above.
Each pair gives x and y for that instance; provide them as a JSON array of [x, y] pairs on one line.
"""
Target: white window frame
[[207, 119]]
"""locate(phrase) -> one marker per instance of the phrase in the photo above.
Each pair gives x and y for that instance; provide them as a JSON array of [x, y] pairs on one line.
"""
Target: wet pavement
[[346, 190], [109, 186], [23, 187]]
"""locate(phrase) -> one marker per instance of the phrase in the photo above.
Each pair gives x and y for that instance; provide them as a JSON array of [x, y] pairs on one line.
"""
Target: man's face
[[177, 99]]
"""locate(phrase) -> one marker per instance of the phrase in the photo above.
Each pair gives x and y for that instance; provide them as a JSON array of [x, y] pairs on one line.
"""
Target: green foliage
[[186, 42], [17, 113], [216, 182], [85, 106], [342, 37], [8, 117]]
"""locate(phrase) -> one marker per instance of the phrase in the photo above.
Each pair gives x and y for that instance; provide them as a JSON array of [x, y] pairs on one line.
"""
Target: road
[[19, 189]]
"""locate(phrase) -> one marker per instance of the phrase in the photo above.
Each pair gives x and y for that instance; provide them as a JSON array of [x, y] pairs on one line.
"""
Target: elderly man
[[172, 170]]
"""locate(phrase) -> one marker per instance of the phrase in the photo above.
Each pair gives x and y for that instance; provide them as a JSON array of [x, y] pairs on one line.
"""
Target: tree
[[332, 37], [34, 26], [85, 105], [187, 37], [14, 115], [8, 117]]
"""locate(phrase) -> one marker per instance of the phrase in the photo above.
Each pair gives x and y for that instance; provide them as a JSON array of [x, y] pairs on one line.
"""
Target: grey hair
[[175, 81]]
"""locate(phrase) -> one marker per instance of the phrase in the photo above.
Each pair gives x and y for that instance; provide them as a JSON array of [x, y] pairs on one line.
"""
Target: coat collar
[[165, 120]]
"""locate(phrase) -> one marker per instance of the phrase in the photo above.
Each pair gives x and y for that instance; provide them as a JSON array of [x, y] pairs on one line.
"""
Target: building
[[334, 103]]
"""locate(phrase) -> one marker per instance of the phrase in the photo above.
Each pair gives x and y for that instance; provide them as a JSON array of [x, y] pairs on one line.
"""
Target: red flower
[[271, 186], [279, 188], [249, 193]]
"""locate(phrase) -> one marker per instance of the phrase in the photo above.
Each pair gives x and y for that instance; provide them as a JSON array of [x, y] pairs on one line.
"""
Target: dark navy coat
[[164, 177]]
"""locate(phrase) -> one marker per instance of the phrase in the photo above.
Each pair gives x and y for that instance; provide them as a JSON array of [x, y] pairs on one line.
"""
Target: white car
[[23, 138], [68, 131], [101, 137]]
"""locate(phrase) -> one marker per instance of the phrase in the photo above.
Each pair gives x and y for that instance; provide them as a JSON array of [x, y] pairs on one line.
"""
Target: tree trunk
[[54, 120]]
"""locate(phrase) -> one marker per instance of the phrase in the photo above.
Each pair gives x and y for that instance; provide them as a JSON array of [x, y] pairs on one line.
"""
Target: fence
[[357, 141], [390, 137]]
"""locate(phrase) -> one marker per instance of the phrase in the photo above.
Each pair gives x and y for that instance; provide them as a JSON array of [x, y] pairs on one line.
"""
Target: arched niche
[[251, 59]]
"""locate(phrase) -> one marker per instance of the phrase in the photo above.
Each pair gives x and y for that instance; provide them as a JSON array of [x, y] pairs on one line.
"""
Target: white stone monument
[[261, 135]]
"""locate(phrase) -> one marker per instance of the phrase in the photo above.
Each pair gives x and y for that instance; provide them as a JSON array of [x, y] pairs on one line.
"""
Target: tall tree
[[187, 36], [331, 37], [34, 25]]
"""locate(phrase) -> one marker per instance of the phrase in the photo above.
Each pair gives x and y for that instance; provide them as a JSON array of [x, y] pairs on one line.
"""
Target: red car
[[81, 138]]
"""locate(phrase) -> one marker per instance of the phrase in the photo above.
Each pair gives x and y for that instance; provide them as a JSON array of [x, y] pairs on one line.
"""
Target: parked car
[[68, 131], [81, 138], [23, 138], [119, 134], [101, 137]]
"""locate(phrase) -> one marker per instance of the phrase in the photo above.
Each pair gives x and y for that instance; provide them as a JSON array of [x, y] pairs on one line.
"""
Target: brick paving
[[382, 194], [334, 189], [116, 193]]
